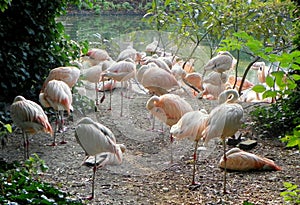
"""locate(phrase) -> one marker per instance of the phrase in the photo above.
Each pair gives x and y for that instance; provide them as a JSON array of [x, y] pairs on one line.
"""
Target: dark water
[[90, 27], [115, 32]]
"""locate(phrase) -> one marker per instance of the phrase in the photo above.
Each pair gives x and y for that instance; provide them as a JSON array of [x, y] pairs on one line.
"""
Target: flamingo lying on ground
[[239, 160]]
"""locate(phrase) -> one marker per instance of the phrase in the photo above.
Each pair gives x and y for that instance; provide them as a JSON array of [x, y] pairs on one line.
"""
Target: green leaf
[[8, 128], [259, 88], [167, 2], [270, 93], [269, 81], [296, 77], [293, 141]]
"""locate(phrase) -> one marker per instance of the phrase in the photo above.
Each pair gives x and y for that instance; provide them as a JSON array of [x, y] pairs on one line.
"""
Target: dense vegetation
[[30, 51], [22, 184]]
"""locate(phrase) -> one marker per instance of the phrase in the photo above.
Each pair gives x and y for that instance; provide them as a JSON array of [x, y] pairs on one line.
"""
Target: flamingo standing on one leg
[[122, 71], [224, 120], [57, 95], [30, 117], [93, 73], [95, 139], [168, 108], [191, 126]]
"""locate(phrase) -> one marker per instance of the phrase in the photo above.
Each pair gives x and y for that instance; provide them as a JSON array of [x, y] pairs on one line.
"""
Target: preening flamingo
[[97, 55], [95, 139], [168, 108], [69, 75], [193, 80], [122, 71], [239, 160], [159, 62], [129, 52], [191, 126], [224, 61], [213, 84], [224, 120], [93, 73], [152, 47], [156, 80], [57, 95], [30, 118]]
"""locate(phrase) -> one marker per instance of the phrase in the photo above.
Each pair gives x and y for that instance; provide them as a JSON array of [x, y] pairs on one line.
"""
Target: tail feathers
[[270, 165]]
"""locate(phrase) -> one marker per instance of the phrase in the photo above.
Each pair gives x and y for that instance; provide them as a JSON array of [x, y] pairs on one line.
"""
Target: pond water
[[115, 32]]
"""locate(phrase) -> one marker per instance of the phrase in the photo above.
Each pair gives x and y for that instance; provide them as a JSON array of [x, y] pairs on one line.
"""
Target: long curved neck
[[228, 96], [151, 102]]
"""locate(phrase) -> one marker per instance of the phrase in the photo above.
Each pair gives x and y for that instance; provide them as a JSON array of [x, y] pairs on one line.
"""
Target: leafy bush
[[293, 139], [20, 184], [4, 130], [278, 119], [292, 194], [28, 52]]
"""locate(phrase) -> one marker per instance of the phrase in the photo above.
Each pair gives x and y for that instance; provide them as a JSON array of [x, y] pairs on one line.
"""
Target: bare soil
[[146, 175]]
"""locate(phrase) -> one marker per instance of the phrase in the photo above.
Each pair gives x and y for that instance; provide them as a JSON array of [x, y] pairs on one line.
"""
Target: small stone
[[248, 144], [165, 189], [272, 179]]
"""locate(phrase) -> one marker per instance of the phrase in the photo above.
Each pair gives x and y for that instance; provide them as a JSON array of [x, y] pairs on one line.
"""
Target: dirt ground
[[146, 176]]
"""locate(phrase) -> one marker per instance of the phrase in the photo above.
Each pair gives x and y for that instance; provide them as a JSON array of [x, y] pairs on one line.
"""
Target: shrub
[[20, 184]]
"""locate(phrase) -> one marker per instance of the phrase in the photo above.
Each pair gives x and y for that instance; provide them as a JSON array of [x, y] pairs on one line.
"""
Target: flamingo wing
[[223, 121], [190, 125], [94, 138]]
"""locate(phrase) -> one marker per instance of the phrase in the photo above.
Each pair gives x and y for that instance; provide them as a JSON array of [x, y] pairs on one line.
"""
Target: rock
[[247, 145], [165, 189]]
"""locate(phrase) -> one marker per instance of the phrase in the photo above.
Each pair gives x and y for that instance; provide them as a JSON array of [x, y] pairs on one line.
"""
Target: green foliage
[[292, 194], [4, 5], [4, 130], [28, 52], [82, 103], [127, 5], [21, 184], [217, 19], [247, 203], [293, 139], [277, 119]]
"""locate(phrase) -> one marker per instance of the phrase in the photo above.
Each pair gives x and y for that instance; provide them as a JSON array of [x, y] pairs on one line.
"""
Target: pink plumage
[[240, 160]]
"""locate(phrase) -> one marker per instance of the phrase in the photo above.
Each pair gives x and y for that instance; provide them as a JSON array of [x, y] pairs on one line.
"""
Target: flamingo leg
[[153, 121], [225, 167], [103, 97], [62, 127], [97, 96], [171, 146], [194, 165], [55, 129], [25, 144], [110, 95], [93, 181], [122, 87]]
